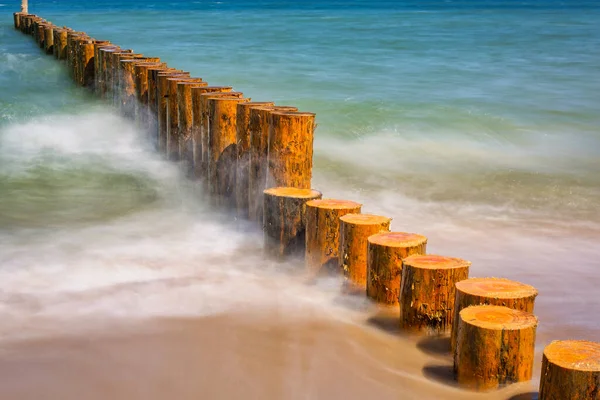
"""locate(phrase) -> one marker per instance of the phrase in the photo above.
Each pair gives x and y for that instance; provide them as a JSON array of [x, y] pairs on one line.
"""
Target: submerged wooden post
[[570, 370], [200, 113], [242, 167], [494, 291], [49, 38], [173, 116], [257, 176], [428, 290], [162, 97], [290, 149], [222, 148], [72, 36], [323, 234], [186, 120], [355, 229], [495, 346], [284, 221], [385, 252]]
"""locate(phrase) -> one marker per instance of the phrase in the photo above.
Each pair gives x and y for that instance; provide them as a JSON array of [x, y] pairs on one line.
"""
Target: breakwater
[[207, 153]]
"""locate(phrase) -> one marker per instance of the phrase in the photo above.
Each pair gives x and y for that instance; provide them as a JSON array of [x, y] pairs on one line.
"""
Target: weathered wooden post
[[24, 6], [494, 291], [200, 113], [152, 93], [173, 137], [570, 370], [116, 72], [107, 82], [259, 147], [186, 120], [242, 167], [127, 83], [140, 71], [222, 149], [199, 169], [162, 97], [87, 77], [40, 38], [17, 20], [495, 346], [71, 36], [323, 234], [285, 220], [385, 252], [427, 292], [49, 38], [355, 229], [100, 65], [290, 149], [60, 43]]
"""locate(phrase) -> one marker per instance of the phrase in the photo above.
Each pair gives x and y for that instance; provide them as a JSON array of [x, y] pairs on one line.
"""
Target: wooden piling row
[[254, 159]]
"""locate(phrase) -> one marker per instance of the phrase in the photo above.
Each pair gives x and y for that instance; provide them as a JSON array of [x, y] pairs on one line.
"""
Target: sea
[[475, 123]]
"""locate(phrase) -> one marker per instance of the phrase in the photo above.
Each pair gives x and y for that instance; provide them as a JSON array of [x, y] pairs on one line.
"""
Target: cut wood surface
[[323, 234], [385, 252], [427, 292], [285, 220], [570, 371], [355, 230], [495, 346], [493, 291]]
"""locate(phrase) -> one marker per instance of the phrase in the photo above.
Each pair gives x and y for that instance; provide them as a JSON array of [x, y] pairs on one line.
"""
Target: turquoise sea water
[[475, 123]]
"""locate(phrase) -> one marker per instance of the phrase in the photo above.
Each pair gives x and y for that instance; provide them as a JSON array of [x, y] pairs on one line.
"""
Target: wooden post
[[75, 55], [26, 21], [60, 43], [173, 136], [162, 96], [385, 252], [185, 116], [99, 65], [140, 71], [198, 166], [290, 149], [284, 221], [570, 370], [106, 59], [127, 83], [259, 145], [494, 291], [152, 116], [323, 234], [495, 346], [117, 86], [87, 64], [49, 38], [25, 6], [79, 61], [17, 20], [243, 156], [427, 292], [202, 109], [222, 149], [355, 229], [40, 26]]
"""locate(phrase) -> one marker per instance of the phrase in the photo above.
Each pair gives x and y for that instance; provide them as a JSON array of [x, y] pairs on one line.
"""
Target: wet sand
[[236, 355]]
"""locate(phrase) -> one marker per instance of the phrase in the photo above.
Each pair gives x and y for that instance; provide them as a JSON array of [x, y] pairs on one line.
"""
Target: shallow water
[[477, 127]]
